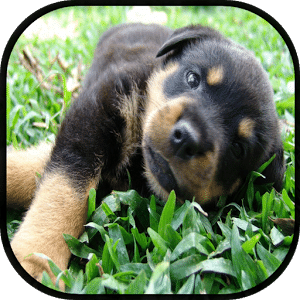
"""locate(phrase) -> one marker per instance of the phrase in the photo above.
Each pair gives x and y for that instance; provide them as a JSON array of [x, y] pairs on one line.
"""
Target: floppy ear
[[274, 172], [183, 35]]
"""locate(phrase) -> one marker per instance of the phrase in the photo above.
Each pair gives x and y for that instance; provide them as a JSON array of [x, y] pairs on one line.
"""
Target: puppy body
[[197, 119]]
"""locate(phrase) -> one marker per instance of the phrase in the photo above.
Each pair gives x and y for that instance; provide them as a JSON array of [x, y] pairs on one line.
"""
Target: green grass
[[133, 244]]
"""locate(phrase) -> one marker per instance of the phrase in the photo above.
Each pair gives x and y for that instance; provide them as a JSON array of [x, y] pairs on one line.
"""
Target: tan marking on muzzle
[[156, 97]]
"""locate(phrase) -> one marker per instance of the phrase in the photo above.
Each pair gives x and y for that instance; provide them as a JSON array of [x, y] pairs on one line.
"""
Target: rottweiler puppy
[[185, 110]]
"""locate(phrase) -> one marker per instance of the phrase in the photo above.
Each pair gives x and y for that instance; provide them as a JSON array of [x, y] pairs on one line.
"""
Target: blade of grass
[[188, 286], [160, 281], [154, 217], [192, 240], [250, 244], [243, 265], [121, 251], [91, 268], [158, 241], [186, 266], [269, 260], [167, 215], [91, 202], [138, 285], [78, 248], [112, 251]]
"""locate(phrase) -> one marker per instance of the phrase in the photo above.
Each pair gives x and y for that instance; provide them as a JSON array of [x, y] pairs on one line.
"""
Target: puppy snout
[[185, 140]]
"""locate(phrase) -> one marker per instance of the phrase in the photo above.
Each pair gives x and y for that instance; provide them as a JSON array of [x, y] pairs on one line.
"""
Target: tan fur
[[56, 209], [163, 120], [215, 75], [130, 107], [198, 175], [246, 128], [21, 176], [156, 96], [235, 185]]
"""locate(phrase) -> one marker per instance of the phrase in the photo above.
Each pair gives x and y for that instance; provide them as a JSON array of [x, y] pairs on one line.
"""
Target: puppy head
[[210, 118]]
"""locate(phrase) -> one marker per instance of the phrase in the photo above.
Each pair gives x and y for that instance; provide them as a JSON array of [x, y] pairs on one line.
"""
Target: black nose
[[185, 140]]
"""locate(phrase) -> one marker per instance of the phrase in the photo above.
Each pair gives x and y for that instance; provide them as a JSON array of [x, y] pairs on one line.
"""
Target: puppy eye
[[193, 80], [238, 150]]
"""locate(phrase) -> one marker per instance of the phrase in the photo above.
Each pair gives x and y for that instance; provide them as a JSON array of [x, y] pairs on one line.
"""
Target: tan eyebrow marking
[[215, 75], [246, 128]]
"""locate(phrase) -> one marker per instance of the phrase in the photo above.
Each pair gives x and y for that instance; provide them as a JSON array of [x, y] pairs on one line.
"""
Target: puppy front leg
[[56, 209], [21, 173]]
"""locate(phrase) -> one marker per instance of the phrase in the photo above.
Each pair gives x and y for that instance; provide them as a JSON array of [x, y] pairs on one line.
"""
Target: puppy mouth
[[161, 170]]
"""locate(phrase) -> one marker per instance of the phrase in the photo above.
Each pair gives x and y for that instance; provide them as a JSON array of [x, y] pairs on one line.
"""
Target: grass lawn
[[134, 244]]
